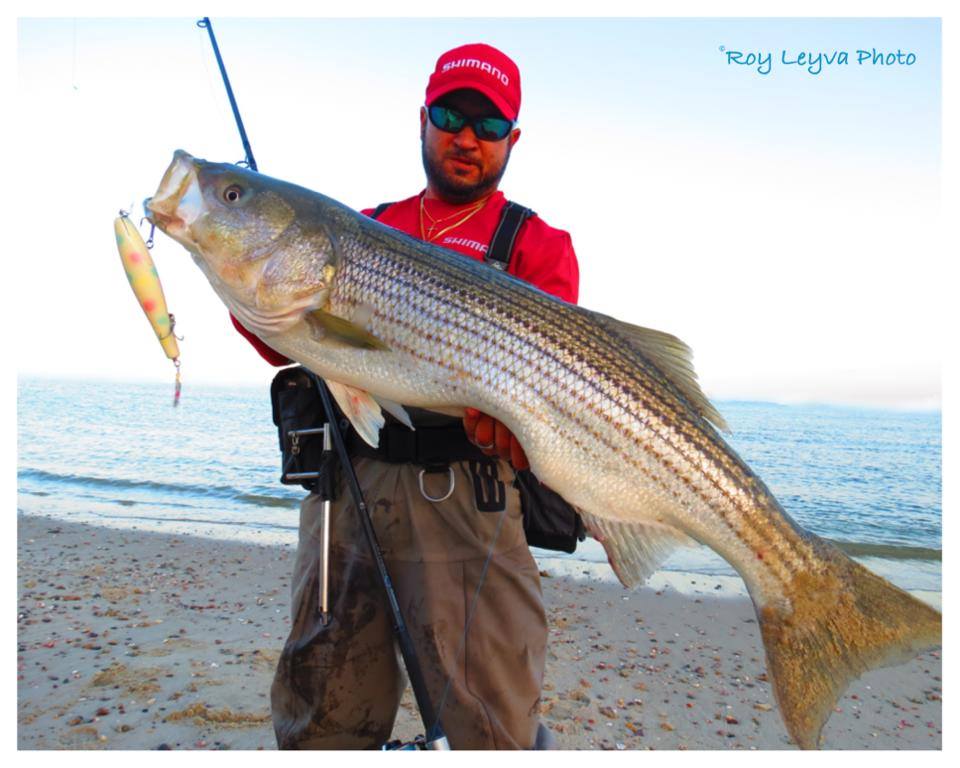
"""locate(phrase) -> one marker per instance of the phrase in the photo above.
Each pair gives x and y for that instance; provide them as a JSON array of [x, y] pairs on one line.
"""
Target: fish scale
[[432, 319], [532, 322], [528, 357], [609, 415]]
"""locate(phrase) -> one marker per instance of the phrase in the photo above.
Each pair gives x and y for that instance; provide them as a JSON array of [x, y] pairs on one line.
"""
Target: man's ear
[[514, 136], [423, 122]]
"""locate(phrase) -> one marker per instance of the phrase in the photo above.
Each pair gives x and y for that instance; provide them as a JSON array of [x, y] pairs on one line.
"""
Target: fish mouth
[[178, 201]]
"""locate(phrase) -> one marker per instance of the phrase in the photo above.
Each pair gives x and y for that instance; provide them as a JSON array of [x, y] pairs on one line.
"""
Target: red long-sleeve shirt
[[542, 255]]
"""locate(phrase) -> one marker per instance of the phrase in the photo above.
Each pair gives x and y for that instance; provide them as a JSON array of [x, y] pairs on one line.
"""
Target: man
[[450, 526]]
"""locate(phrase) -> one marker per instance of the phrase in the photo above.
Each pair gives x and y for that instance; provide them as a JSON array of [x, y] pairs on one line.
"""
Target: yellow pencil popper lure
[[145, 283]]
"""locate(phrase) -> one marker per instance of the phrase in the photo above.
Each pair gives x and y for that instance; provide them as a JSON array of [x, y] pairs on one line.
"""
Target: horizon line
[[930, 404]]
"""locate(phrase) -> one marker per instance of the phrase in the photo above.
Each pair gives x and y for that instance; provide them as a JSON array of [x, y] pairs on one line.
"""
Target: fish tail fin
[[839, 624]]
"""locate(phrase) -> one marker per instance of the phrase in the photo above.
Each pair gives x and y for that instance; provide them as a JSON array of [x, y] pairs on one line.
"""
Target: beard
[[455, 189]]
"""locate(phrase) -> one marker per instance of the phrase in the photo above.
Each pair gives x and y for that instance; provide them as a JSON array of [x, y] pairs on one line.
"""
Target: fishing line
[[215, 93], [73, 72]]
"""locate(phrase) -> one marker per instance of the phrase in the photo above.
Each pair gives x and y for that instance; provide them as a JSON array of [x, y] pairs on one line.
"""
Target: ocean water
[[119, 454]]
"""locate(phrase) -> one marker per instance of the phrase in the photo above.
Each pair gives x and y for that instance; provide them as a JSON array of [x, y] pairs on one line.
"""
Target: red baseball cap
[[481, 68]]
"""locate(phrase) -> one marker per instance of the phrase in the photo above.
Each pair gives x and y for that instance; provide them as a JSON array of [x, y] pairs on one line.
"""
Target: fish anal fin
[[635, 550], [834, 626], [361, 409]]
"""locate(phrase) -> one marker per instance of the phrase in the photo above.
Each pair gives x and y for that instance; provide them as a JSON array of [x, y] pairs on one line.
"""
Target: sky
[[785, 224]]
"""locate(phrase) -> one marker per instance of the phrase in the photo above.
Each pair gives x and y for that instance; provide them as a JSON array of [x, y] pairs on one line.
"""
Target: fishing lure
[[145, 282]]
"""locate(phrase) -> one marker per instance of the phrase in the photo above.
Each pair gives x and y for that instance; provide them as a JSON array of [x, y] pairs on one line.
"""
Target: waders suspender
[[435, 736], [501, 245]]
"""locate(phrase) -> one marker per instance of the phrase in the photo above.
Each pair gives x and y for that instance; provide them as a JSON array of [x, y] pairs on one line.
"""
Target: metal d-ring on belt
[[447, 495], [432, 448]]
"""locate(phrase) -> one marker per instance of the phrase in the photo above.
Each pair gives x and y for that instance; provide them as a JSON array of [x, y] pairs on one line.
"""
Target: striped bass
[[610, 415]]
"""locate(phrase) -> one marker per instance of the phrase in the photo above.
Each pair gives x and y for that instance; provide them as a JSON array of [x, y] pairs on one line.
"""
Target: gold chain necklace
[[435, 220], [432, 234]]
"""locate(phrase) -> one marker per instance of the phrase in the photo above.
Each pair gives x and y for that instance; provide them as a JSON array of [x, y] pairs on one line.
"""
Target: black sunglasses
[[485, 128]]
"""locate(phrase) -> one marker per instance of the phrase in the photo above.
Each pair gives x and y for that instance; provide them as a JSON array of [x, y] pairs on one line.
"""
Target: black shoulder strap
[[378, 211], [501, 245]]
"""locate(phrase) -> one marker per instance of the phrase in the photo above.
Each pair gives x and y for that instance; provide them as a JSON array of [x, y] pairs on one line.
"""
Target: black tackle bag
[[549, 522], [299, 416]]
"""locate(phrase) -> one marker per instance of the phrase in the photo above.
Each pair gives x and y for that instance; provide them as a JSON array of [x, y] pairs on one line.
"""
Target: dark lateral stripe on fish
[[525, 351], [690, 447], [627, 399], [736, 474], [758, 536], [777, 571], [627, 396]]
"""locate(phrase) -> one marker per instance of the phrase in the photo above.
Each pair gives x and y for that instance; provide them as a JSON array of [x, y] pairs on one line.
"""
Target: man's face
[[460, 167]]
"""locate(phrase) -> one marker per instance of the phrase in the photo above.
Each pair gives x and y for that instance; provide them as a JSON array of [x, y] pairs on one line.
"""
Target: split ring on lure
[[145, 283]]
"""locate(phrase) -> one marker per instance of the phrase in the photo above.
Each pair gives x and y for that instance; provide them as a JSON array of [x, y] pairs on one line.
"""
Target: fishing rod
[[435, 738], [250, 162]]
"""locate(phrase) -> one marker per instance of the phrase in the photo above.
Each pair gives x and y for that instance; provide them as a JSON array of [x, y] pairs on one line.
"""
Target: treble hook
[[153, 228], [173, 325]]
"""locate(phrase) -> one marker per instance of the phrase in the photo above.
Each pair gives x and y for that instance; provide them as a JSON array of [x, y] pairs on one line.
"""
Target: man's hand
[[493, 438]]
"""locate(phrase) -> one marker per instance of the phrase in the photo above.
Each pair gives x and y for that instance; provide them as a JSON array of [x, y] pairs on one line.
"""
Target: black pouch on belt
[[299, 416], [548, 521]]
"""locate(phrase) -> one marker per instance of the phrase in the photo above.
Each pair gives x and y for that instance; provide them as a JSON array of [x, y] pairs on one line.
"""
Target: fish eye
[[233, 193]]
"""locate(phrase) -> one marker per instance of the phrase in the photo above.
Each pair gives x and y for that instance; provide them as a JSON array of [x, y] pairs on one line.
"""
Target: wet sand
[[134, 640]]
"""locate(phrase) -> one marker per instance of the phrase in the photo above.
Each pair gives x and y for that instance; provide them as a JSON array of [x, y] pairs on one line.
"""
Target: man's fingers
[[502, 439], [470, 419], [517, 457], [483, 436], [493, 438]]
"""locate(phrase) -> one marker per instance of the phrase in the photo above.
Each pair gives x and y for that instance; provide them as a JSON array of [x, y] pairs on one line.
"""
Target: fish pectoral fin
[[635, 550], [361, 409], [325, 324], [396, 410]]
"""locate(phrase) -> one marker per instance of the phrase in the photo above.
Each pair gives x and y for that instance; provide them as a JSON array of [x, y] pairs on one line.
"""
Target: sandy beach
[[135, 640]]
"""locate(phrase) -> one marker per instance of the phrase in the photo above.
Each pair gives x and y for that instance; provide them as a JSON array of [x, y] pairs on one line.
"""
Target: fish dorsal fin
[[361, 409], [673, 358], [635, 550]]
